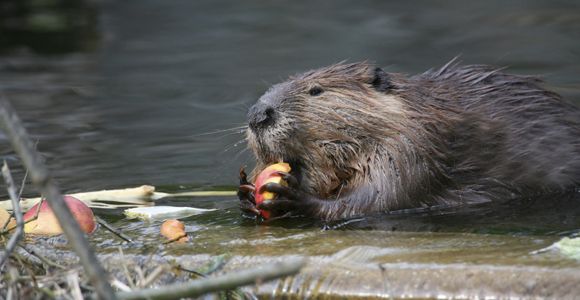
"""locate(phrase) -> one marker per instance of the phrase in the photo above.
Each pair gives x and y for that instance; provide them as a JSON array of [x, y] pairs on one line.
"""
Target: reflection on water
[[137, 109], [502, 237], [48, 26]]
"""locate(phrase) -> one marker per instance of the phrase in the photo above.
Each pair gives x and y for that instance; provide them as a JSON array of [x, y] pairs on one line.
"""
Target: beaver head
[[329, 124]]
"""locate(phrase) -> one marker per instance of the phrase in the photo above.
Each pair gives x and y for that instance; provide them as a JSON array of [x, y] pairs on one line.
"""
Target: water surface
[[142, 107]]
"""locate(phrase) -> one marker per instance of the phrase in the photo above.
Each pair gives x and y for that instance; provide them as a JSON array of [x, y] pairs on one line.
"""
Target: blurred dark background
[[121, 93]]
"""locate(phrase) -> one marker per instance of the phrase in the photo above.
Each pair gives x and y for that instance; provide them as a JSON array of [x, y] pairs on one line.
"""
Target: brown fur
[[373, 141]]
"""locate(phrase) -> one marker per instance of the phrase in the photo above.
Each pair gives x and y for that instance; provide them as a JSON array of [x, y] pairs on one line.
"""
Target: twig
[[113, 230], [19, 195], [10, 293], [72, 279], [194, 272], [226, 282], [43, 259], [23, 183], [19, 232], [33, 218], [123, 198], [159, 195], [13, 275], [43, 181], [7, 222], [153, 276], [120, 285], [27, 268], [125, 269], [46, 292], [140, 275], [58, 290]]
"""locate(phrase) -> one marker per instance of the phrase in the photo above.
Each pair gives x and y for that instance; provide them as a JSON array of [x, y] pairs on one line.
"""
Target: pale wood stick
[[144, 195]]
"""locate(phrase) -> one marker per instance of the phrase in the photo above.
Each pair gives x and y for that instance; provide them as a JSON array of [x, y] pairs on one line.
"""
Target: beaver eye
[[315, 91]]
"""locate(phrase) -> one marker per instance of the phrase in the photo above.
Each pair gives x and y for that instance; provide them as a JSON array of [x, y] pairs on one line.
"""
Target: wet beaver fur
[[362, 141]]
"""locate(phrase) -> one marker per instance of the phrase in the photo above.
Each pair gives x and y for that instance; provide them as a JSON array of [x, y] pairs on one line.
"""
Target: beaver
[[362, 141]]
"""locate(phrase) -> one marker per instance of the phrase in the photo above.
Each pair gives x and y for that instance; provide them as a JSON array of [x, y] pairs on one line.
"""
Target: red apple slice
[[47, 223], [266, 176]]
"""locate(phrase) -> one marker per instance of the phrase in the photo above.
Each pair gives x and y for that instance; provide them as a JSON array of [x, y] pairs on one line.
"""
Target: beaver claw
[[288, 178], [246, 196], [282, 191], [290, 198], [249, 208], [243, 177]]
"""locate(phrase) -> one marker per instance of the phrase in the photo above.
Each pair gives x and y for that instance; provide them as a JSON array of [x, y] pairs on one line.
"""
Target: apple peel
[[47, 223], [269, 175]]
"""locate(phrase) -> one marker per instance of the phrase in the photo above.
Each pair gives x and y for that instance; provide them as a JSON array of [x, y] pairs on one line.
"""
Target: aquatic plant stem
[[41, 178], [225, 282]]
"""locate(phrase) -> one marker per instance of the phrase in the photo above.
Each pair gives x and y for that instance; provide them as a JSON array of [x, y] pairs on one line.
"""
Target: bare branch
[[42, 258], [113, 230], [226, 282], [42, 180], [19, 232]]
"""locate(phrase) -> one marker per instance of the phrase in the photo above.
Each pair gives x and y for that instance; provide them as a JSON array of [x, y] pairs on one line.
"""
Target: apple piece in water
[[269, 175], [174, 230], [47, 223]]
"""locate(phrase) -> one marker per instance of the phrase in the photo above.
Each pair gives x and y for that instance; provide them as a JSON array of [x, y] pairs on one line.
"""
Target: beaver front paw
[[246, 196], [290, 199]]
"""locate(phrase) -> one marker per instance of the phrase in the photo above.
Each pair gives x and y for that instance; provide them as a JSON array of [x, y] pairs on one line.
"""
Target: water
[[134, 110], [138, 108]]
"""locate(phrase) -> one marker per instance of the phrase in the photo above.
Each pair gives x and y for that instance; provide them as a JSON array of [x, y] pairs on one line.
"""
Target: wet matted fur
[[361, 140]]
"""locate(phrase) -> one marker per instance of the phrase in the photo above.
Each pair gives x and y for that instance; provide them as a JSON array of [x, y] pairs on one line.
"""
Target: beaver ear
[[381, 80]]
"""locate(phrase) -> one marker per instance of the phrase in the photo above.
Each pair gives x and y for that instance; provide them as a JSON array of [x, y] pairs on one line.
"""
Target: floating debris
[[163, 212]]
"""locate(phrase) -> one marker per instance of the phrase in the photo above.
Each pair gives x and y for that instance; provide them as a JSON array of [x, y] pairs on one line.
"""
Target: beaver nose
[[261, 116]]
